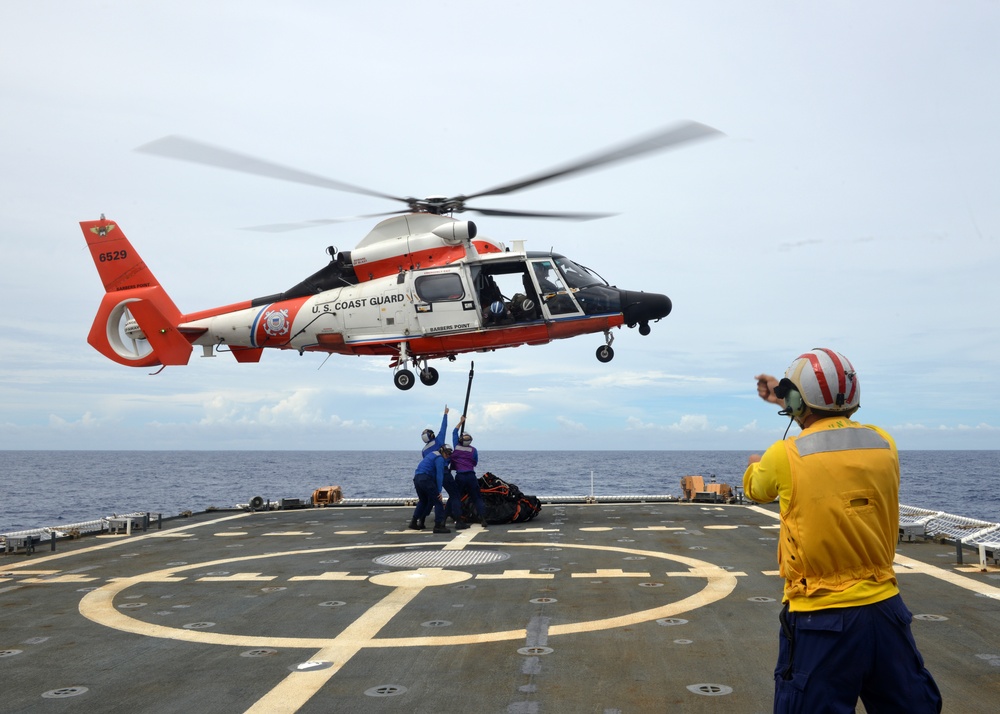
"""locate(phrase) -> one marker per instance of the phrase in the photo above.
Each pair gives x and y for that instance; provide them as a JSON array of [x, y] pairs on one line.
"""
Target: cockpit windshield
[[578, 276]]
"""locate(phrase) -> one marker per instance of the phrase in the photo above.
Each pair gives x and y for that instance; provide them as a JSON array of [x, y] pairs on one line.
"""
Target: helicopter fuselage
[[411, 296]]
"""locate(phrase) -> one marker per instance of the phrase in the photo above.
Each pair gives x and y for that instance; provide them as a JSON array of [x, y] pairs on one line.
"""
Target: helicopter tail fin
[[136, 324]]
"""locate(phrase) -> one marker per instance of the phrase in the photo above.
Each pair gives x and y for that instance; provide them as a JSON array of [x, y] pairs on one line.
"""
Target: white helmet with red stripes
[[826, 380]]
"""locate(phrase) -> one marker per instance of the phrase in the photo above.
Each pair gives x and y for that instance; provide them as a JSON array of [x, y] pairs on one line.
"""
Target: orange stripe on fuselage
[[535, 333]]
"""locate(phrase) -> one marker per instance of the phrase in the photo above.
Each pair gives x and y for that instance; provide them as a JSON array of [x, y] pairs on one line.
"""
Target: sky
[[852, 203]]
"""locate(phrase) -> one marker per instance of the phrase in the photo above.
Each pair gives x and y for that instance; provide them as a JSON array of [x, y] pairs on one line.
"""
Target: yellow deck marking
[[230, 534], [114, 544], [651, 528], [515, 575], [721, 528], [335, 576], [463, 538], [288, 533], [299, 687], [948, 576], [236, 577], [67, 578], [596, 529], [702, 573], [609, 573]]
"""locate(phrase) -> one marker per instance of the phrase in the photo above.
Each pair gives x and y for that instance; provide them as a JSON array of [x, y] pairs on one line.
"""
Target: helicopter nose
[[640, 307]]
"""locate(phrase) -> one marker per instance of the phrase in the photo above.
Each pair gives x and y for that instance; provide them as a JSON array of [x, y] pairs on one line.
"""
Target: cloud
[[688, 423]]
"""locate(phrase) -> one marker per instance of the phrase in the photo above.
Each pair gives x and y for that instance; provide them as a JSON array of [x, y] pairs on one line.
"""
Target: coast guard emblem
[[276, 323]]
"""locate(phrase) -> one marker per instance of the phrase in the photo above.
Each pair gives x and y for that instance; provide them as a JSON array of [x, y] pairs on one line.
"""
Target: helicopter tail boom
[[136, 323]]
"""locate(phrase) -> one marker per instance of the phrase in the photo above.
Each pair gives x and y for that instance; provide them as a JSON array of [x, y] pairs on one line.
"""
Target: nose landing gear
[[604, 352]]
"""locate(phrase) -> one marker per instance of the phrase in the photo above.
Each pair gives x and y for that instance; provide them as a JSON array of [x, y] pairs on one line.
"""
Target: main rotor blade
[[183, 149], [658, 141], [285, 227], [539, 214]]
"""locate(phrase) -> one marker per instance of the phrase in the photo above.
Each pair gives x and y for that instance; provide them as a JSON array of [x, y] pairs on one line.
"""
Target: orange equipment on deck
[[695, 489], [327, 496]]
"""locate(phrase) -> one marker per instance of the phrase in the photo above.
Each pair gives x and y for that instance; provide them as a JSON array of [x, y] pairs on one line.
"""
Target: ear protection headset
[[794, 406]]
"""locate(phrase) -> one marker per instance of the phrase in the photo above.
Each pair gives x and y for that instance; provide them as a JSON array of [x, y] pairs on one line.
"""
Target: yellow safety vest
[[842, 521]]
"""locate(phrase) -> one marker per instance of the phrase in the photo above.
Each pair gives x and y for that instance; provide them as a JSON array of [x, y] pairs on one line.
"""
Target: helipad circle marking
[[420, 578], [333, 603], [98, 606]]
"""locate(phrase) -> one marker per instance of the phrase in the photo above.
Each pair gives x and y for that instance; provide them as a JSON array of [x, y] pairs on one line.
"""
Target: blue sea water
[[53, 488]]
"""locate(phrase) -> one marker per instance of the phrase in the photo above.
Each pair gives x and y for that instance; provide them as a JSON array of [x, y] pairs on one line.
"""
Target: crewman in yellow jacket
[[845, 632]]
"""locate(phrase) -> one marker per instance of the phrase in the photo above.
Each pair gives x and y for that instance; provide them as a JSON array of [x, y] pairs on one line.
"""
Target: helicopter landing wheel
[[605, 353], [403, 379], [429, 376], [644, 328]]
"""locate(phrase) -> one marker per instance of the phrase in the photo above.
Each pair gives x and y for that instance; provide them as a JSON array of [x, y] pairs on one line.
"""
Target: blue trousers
[[454, 508], [468, 485], [427, 498], [830, 658]]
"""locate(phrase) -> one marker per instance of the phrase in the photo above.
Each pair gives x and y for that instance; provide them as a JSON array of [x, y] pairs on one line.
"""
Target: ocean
[[57, 488]]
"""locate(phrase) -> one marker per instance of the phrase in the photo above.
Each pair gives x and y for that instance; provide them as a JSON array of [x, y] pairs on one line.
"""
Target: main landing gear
[[403, 378], [604, 352]]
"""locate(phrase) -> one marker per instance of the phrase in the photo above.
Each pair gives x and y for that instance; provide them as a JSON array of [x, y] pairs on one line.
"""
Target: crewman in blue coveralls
[[433, 442], [428, 480], [464, 460]]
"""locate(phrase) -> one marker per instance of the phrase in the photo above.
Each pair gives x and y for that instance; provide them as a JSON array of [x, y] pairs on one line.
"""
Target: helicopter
[[421, 285]]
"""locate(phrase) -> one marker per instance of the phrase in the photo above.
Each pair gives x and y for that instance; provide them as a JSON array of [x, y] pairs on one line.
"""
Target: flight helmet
[[427, 435], [822, 380]]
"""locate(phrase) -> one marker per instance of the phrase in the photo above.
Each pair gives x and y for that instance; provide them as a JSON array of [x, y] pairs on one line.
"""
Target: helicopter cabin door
[[557, 302], [444, 301]]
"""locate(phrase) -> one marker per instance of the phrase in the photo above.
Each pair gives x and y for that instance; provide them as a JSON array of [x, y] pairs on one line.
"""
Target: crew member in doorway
[[464, 460]]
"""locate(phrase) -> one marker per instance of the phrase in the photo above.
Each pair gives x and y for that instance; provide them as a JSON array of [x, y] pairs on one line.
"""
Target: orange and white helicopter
[[421, 285]]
